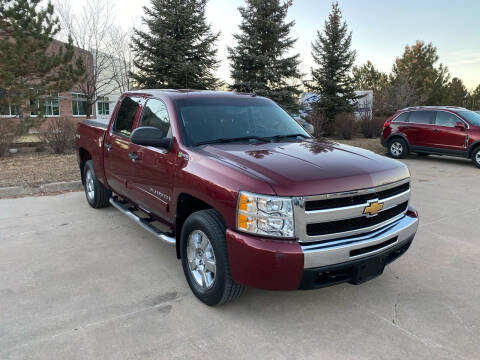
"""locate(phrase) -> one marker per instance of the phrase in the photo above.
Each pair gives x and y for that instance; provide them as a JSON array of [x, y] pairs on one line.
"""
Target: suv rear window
[[403, 117], [421, 117]]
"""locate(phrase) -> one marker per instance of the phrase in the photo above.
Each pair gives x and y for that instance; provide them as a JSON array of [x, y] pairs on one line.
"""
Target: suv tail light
[[387, 123]]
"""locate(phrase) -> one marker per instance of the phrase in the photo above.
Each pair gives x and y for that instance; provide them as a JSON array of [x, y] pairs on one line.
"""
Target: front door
[[445, 135], [151, 174], [117, 144]]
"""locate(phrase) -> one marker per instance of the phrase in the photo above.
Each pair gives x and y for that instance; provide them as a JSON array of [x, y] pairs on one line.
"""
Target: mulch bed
[[35, 169]]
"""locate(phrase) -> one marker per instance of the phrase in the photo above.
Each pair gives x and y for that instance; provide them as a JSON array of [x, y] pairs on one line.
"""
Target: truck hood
[[310, 167]]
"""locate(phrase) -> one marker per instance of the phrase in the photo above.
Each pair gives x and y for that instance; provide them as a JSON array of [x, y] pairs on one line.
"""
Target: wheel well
[[186, 205], [84, 157], [473, 148]]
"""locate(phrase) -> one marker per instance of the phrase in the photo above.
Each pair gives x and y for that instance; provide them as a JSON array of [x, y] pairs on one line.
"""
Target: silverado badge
[[373, 208]]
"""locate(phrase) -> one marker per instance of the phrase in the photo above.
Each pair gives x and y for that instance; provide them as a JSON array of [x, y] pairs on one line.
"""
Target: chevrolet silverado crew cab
[[244, 193]]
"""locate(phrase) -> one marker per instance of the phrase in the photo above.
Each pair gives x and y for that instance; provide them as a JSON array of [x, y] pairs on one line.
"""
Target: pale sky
[[381, 29]]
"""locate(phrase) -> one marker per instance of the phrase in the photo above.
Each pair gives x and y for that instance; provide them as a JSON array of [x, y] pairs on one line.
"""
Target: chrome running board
[[145, 223]]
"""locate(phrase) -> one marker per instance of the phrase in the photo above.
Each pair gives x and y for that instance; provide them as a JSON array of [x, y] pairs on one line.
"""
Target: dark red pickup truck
[[244, 193]]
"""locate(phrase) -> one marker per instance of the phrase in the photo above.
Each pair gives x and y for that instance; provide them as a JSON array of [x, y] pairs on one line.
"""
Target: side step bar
[[145, 223]]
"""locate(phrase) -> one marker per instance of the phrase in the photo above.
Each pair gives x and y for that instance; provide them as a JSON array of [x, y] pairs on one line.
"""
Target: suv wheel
[[205, 258], [476, 157], [97, 194], [397, 148]]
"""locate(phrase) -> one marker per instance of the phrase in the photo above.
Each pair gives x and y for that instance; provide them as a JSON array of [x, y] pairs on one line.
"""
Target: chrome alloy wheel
[[201, 259], [396, 149], [90, 186], [477, 158]]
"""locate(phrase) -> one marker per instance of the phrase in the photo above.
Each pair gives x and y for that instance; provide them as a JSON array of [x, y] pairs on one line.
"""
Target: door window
[[155, 114], [421, 117], [126, 115], [444, 118]]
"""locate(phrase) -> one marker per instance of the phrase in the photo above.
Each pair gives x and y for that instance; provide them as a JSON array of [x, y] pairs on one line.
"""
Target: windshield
[[209, 120], [472, 117]]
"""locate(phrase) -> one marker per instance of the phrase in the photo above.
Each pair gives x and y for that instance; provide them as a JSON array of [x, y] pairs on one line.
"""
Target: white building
[[364, 104]]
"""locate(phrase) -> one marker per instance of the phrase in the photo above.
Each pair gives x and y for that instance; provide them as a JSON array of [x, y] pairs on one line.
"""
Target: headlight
[[265, 215]]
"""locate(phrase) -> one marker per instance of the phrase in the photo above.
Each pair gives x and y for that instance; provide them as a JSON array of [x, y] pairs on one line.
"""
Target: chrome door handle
[[108, 147]]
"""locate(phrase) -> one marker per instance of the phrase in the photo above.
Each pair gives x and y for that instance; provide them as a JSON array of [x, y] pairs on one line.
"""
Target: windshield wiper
[[228, 140], [278, 137]]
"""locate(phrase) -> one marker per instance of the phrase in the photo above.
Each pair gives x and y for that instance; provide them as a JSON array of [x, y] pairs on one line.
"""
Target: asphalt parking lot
[[76, 283]]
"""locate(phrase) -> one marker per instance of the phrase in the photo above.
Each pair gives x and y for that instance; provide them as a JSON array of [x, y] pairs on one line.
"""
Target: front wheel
[[205, 258], [397, 148], [476, 157]]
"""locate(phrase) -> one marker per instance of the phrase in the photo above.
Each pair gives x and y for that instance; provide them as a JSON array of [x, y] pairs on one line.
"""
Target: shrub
[[345, 125], [317, 119], [371, 127], [8, 132], [59, 135]]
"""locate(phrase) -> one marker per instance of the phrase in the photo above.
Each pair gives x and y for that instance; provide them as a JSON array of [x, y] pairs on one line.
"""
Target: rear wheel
[[397, 148], [205, 258], [476, 157], [97, 194]]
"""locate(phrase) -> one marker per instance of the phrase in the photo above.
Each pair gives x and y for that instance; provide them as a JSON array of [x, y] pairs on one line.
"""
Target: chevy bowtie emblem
[[373, 208]]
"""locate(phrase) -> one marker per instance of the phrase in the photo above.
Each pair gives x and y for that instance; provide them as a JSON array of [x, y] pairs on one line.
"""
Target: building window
[[7, 110], [50, 106], [79, 105], [103, 106]]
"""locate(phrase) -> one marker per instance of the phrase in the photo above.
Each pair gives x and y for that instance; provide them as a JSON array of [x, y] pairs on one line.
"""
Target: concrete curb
[[57, 187]]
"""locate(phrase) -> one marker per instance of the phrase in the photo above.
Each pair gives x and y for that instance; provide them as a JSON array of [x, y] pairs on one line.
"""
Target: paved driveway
[[76, 283]]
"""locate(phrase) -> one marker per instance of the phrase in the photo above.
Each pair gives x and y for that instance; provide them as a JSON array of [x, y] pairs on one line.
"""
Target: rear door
[[445, 135], [117, 144], [420, 127], [150, 181]]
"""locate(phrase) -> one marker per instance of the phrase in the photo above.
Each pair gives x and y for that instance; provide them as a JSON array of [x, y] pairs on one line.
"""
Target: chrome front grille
[[325, 217]]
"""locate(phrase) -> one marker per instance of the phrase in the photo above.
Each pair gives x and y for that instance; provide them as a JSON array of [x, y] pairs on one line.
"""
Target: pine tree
[[259, 61], [32, 64], [179, 49], [417, 66], [331, 78]]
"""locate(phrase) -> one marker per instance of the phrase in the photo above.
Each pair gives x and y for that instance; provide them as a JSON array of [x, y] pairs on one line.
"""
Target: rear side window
[[126, 115], [421, 117], [444, 118], [403, 117], [155, 114]]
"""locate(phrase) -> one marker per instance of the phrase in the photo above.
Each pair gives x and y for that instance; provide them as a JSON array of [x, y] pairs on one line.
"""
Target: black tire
[[476, 157], [100, 196], [397, 148], [223, 289]]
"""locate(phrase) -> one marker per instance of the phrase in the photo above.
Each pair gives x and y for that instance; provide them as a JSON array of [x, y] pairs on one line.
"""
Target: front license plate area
[[368, 270]]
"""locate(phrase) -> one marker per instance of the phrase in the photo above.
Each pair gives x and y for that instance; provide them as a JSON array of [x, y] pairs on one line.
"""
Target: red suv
[[439, 130]]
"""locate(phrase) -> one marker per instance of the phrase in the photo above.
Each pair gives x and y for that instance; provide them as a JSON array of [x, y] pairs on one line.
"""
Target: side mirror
[[460, 125], [150, 136]]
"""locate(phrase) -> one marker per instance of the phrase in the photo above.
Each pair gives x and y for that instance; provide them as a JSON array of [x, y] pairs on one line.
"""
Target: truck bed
[[96, 123], [89, 138]]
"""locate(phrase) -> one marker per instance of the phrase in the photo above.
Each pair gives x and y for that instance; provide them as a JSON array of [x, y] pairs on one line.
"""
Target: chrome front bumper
[[339, 251]]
